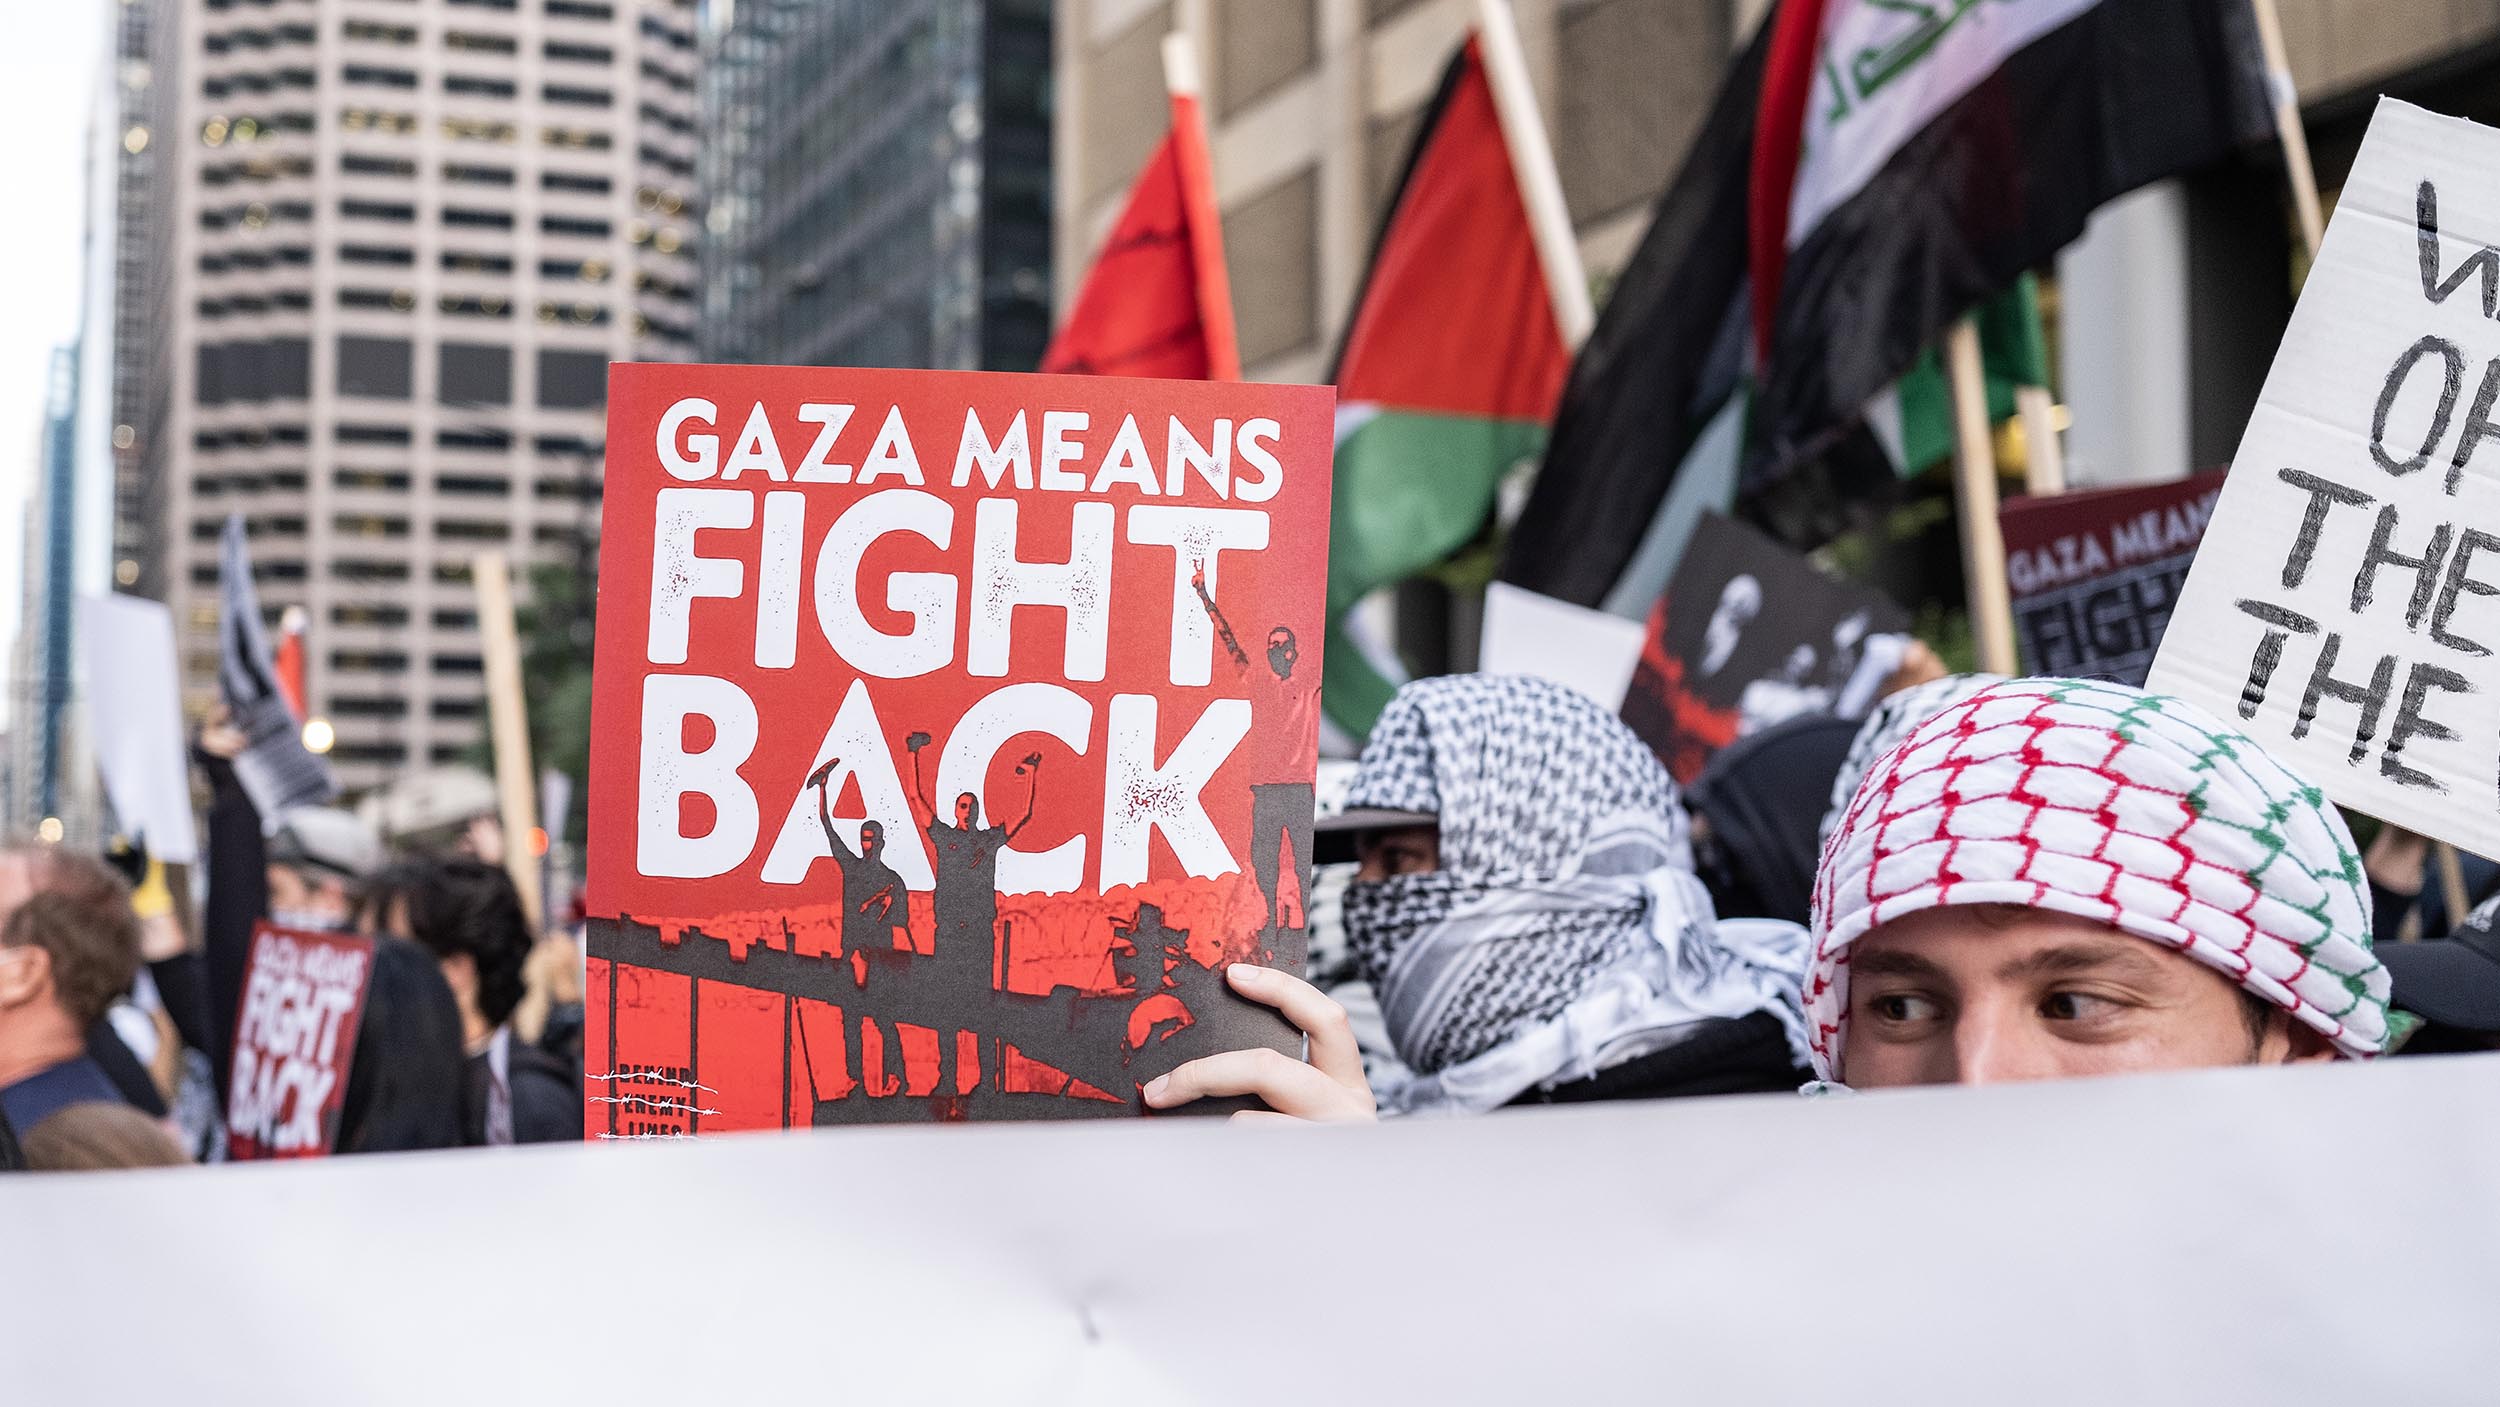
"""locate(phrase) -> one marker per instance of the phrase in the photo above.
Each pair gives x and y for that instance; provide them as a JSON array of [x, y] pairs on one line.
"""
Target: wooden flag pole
[[1975, 502], [2287, 126], [1532, 163], [1196, 159], [508, 718]]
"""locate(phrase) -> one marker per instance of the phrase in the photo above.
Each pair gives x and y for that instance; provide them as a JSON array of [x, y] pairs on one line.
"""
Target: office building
[[878, 180], [406, 239]]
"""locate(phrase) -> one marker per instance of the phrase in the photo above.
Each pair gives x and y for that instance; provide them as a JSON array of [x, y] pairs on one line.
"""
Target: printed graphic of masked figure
[[1280, 812]]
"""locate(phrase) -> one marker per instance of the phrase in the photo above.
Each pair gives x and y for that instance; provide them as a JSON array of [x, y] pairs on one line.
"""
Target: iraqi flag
[[1877, 169], [1452, 365], [1157, 301]]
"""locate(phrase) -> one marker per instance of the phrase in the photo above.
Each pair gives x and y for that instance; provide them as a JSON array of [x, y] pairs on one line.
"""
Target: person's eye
[[1902, 1007], [2076, 1006]]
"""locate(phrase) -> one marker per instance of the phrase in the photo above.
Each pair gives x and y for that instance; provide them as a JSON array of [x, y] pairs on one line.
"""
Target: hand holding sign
[[2347, 618]]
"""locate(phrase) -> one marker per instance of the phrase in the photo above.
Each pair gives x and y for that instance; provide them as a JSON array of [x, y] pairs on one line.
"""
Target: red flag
[[1157, 301], [290, 659]]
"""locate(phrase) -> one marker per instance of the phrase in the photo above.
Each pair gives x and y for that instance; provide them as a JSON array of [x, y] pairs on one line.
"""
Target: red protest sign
[[952, 732], [294, 1036]]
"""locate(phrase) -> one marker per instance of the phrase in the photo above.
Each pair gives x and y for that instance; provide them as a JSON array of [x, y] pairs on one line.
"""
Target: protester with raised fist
[[2059, 877]]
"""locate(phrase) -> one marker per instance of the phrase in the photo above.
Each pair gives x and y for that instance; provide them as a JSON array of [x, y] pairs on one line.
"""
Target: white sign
[[1591, 651], [2316, 1234], [2345, 608], [134, 719]]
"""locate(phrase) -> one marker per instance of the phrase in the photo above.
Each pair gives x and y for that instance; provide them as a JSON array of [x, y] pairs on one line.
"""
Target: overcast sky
[[47, 75]]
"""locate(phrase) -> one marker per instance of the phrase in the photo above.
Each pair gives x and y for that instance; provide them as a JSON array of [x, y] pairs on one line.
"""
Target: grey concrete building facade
[[406, 237]]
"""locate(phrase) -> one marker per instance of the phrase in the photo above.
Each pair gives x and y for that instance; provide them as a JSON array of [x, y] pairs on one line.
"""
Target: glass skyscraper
[[877, 178]]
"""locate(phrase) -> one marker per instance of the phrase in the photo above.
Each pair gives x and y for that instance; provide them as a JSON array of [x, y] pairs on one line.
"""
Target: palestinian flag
[[1449, 374], [1872, 170], [1157, 301]]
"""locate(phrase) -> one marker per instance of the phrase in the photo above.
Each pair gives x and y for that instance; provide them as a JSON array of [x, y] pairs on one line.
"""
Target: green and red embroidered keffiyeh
[[2106, 802]]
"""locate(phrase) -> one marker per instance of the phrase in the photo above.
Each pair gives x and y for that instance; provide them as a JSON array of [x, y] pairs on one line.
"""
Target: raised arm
[[824, 802], [923, 809], [1030, 769]]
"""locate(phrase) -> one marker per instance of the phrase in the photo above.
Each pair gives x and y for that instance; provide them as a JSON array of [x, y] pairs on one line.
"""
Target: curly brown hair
[[79, 914]]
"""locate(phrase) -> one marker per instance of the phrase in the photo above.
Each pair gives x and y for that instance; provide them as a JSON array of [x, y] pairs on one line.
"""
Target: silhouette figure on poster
[[965, 946], [873, 907], [1280, 812]]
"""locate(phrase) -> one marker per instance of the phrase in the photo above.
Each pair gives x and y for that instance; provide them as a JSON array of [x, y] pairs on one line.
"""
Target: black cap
[[2454, 981], [1334, 838]]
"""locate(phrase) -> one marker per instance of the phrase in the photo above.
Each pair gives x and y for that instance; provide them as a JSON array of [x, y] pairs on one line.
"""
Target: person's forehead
[[1974, 942]]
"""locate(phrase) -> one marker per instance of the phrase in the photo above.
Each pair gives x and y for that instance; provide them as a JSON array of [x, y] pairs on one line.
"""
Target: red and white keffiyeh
[[2128, 808]]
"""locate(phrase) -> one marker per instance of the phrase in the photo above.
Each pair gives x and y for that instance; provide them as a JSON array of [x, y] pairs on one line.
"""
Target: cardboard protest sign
[[2094, 575], [294, 1037], [952, 732], [1527, 633], [275, 768], [134, 716], [1750, 634], [2347, 611]]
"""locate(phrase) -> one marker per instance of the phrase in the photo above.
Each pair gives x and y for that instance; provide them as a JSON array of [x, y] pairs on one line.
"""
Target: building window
[[349, 434], [379, 77], [397, 300], [375, 661], [455, 620], [459, 664], [473, 485], [368, 705], [461, 261], [478, 129], [360, 164], [571, 380], [579, 10], [377, 367], [378, 210], [373, 33], [376, 254], [477, 219], [576, 97], [473, 374], [586, 229], [368, 569], [369, 525], [464, 175], [476, 306], [571, 181], [472, 529], [471, 85], [480, 43], [371, 480]]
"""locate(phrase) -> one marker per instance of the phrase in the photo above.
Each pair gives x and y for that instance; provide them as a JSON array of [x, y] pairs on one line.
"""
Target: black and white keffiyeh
[[1565, 931]]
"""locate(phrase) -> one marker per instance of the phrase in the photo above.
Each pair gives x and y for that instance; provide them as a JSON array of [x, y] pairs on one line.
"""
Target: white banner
[[2345, 608], [2321, 1234]]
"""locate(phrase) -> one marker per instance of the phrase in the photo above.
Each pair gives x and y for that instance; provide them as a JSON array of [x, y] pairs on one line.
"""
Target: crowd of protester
[[1983, 880], [117, 1015]]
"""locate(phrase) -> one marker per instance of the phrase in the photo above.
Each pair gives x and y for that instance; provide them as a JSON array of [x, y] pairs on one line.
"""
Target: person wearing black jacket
[[405, 1080], [468, 915]]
